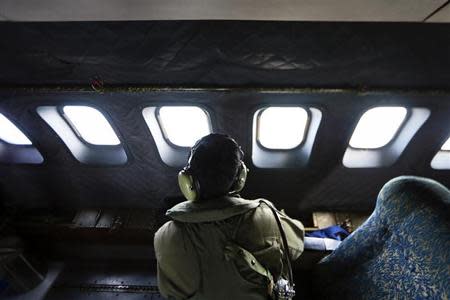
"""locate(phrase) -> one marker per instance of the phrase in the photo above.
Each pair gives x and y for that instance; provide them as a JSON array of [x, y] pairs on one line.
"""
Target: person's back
[[223, 247]]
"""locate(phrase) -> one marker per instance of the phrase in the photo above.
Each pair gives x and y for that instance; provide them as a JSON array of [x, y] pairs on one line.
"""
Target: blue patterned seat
[[401, 252]]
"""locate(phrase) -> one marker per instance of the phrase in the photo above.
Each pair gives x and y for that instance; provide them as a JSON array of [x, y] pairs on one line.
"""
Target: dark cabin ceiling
[[227, 54]]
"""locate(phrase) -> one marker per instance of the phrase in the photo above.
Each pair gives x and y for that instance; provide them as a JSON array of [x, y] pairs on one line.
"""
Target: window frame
[[279, 159], [389, 154], [82, 151]]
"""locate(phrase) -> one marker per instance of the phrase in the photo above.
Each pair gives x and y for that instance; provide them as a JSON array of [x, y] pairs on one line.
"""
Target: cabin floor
[[90, 280], [104, 254]]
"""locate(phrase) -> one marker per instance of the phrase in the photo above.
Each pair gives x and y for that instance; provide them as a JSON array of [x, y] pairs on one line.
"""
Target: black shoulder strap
[[283, 238]]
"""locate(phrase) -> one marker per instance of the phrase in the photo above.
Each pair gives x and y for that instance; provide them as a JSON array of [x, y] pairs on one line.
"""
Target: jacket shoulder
[[168, 235]]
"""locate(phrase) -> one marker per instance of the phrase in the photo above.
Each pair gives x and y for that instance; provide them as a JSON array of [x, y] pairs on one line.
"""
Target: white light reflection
[[184, 125], [11, 134], [446, 146], [377, 127], [91, 125], [282, 127]]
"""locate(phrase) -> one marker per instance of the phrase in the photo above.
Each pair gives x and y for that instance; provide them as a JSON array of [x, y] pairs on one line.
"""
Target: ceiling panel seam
[[436, 11]]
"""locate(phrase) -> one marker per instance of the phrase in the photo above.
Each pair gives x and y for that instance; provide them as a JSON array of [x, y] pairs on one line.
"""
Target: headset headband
[[190, 186]]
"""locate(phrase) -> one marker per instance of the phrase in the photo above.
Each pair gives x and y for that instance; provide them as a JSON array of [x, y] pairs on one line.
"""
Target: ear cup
[[187, 185], [241, 178]]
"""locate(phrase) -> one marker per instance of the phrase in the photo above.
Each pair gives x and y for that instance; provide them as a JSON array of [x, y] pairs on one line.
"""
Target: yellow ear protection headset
[[190, 187]]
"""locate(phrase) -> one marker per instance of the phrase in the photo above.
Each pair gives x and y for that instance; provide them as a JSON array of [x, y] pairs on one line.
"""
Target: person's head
[[215, 166]]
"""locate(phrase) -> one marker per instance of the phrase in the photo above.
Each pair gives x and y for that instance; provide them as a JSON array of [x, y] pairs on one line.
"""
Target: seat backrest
[[400, 252]]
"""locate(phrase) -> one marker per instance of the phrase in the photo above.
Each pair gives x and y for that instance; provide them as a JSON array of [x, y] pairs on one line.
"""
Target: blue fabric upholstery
[[401, 252]]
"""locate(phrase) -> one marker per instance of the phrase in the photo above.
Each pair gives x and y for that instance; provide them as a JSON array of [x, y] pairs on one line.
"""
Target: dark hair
[[215, 160]]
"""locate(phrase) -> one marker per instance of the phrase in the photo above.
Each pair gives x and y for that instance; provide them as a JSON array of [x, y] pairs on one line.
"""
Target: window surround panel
[[19, 153], [84, 152], [441, 161], [387, 155], [297, 157]]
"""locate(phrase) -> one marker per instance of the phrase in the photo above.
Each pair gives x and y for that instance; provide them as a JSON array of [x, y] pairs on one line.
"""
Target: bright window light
[[441, 161], [184, 125], [446, 146], [377, 127], [282, 127], [11, 134], [91, 125]]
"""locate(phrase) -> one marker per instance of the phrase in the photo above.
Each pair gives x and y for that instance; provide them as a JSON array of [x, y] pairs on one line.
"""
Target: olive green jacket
[[227, 248]]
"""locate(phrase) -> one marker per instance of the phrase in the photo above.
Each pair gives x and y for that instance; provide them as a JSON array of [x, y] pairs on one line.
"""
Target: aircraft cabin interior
[[341, 108]]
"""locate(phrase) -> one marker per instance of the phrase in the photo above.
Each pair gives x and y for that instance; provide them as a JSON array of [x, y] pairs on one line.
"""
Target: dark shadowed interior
[[94, 224]]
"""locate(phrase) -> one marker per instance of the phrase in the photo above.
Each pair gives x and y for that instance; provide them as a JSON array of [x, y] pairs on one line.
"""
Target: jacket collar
[[211, 210]]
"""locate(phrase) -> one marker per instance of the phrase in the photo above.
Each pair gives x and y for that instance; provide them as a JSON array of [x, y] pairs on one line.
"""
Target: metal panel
[[225, 54], [441, 16], [114, 280], [285, 10], [62, 182]]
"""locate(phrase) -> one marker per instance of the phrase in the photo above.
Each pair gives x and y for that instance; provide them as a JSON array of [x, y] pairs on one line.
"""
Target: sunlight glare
[[184, 125], [91, 125], [377, 127], [11, 134], [282, 127]]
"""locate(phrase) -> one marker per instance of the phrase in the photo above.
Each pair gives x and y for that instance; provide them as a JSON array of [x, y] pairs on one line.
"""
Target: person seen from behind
[[219, 245]]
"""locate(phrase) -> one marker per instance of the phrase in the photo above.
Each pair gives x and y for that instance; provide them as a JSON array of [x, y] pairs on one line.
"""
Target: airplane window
[[282, 127], [441, 161], [446, 146], [91, 125], [183, 125], [11, 134], [377, 127]]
